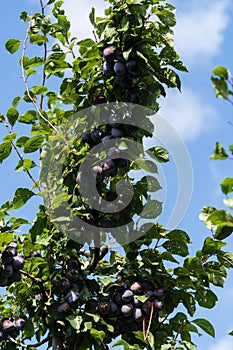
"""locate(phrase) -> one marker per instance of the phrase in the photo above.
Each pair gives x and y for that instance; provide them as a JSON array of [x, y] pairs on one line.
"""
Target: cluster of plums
[[12, 263], [124, 308], [123, 71], [11, 328], [69, 287]]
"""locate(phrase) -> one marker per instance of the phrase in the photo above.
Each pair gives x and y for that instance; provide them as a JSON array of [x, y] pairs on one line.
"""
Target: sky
[[203, 39]]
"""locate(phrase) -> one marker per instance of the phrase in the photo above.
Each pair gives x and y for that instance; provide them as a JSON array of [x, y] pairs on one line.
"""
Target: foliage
[[66, 289]]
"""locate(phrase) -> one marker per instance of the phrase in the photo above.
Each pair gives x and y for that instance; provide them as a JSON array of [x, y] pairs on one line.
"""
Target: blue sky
[[203, 38]]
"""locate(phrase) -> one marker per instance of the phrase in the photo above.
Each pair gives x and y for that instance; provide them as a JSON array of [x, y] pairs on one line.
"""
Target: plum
[[108, 69], [119, 68], [109, 53]]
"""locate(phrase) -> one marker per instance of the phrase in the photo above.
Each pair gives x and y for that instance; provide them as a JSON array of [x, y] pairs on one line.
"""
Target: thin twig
[[26, 83], [38, 282], [44, 58], [22, 159], [28, 346]]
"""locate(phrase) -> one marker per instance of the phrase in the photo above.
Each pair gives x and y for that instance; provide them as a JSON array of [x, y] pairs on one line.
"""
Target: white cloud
[[224, 344], [200, 27], [78, 14], [188, 113]]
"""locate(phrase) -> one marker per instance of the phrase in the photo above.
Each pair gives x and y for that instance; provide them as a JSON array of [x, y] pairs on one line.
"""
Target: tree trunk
[[58, 341]]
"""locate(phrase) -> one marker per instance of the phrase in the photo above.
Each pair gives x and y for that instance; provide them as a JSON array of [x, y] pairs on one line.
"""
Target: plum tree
[[66, 284]]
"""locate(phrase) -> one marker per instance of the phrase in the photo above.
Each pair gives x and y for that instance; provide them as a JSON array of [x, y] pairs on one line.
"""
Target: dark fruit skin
[[72, 274], [8, 270], [113, 309], [136, 287], [108, 70], [126, 310], [158, 304], [3, 281], [7, 326], [72, 298], [111, 196], [134, 97], [147, 285], [117, 133], [109, 54], [104, 308], [98, 99], [86, 138], [97, 135], [127, 296], [91, 305], [16, 277], [13, 245], [159, 292], [12, 249], [74, 264], [18, 262], [122, 163], [107, 138], [64, 285], [63, 307], [119, 68], [131, 67], [7, 257], [138, 315], [109, 166], [113, 151], [36, 254], [3, 335], [19, 323]]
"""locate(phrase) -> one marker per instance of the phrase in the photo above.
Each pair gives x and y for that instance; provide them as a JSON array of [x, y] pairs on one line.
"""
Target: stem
[[26, 83], [22, 159], [44, 58], [28, 346]]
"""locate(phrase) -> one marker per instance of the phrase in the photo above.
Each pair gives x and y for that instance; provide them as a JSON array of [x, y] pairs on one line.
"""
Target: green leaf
[[225, 258], [92, 16], [63, 23], [160, 153], [205, 325], [75, 321], [97, 334], [21, 196], [25, 165], [223, 230], [12, 45], [40, 90], [10, 137], [5, 150], [227, 185], [38, 39], [21, 141], [219, 152], [176, 247], [152, 209], [220, 88], [12, 115], [29, 117], [33, 144], [221, 72]]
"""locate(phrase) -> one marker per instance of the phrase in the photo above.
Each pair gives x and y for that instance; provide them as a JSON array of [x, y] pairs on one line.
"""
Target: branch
[[22, 159], [28, 346], [38, 282], [26, 83], [45, 56]]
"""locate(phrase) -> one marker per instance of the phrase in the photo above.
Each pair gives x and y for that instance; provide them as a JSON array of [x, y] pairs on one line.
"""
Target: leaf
[[227, 185], [176, 247], [205, 325], [38, 39], [160, 153], [221, 72], [28, 117], [97, 334], [228, 202], [75, 321], [223, 231], [152, 209], [40, 90], [126, 345], [10, 137], [12, 45], [219, 152], [33, 144], [225, 258], [5, 150], [25, 165], [12, 115], [21, 141], [92, 16], [21, 196], [220, 88]]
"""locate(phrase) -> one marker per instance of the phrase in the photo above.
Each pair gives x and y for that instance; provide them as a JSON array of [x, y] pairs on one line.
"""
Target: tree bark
[[58, 341]]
